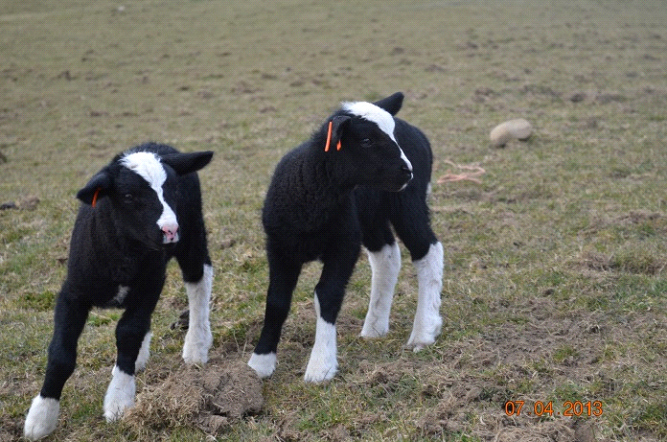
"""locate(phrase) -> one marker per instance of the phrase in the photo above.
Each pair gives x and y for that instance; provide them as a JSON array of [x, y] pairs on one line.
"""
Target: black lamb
[[138, 212], [361, 173]]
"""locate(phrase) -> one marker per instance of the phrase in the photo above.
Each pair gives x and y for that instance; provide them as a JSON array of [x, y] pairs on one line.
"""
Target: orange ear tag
[[95, 195], [338, 146], [326, 148]]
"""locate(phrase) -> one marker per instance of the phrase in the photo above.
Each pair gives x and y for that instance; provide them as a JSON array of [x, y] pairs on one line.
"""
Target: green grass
[[555, 264]]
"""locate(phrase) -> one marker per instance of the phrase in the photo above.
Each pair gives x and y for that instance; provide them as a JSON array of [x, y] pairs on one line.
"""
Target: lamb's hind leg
[[132, 340], [385, 265], [329, 293], [427, 323], [412, 226]]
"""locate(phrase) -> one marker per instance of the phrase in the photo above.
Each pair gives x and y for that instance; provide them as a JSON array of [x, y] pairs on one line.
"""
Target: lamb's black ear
[[184, 163], [335, 130], [392, 103], [98, 187]]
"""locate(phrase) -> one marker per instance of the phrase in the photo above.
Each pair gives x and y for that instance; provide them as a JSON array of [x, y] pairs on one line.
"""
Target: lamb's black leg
[[329, 292], [70, 317], [283, 276]]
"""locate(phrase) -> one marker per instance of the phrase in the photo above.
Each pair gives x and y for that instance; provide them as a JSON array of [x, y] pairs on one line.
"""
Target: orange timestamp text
[[570, 408]]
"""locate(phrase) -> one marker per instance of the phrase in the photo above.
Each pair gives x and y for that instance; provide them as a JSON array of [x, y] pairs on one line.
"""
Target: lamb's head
[[362, 135], [140, 189]]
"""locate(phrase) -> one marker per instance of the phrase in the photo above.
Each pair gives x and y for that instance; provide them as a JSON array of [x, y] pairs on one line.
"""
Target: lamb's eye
[[366, 142], [128, 197]]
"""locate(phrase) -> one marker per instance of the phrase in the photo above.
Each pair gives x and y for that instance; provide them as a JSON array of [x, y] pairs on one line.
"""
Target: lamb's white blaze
[[379, 116], [147, 165]]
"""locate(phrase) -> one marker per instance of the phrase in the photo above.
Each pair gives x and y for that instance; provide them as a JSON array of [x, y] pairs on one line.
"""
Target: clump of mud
[[210, 398]]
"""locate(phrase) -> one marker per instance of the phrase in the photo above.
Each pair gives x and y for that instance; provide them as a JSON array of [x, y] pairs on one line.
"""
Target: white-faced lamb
[[138, 212], [361, 173]]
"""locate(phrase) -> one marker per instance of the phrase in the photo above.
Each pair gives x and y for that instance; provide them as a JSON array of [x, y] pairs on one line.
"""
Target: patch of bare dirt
[[542, 432], [474, 377], [210, 398], [10, 429]]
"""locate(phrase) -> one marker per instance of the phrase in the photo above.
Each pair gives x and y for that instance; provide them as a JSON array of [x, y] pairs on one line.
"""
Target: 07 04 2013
[[539, 408]]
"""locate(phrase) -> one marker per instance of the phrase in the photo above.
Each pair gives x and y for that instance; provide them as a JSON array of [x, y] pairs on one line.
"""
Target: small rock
[[577, 97], [215, 424], [519, 129], [584, 432], [227, 243]]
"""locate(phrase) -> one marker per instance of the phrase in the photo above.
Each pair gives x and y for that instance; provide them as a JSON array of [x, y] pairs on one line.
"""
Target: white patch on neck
[[147, 165], [383, 119]]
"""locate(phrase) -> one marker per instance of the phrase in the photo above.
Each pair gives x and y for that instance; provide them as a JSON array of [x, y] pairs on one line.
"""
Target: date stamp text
[[569, 409]]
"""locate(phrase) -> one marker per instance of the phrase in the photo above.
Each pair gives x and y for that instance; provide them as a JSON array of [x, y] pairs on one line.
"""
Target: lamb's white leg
[[198, 339], [120, 395], [385, 265], [264, 365], [144, 353], [42, 418], [428, 322], [323, 362]]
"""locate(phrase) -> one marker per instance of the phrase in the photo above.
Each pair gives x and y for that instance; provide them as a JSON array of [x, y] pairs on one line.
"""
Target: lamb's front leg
[[70, 318], [121, 390], [120, 394], [199, 338], [329, 292], [323, 362], [132, 341]]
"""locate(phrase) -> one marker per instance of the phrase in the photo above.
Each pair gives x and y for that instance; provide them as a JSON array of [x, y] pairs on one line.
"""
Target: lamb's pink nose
[[170, 232]]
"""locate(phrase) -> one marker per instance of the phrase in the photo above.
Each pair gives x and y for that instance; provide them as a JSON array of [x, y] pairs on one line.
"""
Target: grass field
[[555, 278]]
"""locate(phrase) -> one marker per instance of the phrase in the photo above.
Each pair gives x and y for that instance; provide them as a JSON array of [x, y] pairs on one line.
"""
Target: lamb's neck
[[321, 184]]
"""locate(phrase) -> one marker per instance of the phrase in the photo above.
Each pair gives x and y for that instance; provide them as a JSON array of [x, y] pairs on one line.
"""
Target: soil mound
[[210, 398]]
